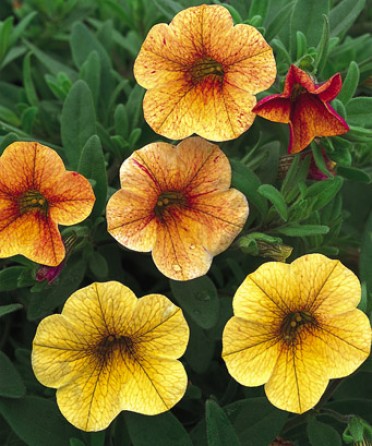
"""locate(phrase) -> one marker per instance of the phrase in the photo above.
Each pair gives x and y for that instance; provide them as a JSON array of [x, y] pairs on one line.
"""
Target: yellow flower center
[[33, 199], [167, 199], [293, 322], [297, 90], [206, 67], [110, 343]]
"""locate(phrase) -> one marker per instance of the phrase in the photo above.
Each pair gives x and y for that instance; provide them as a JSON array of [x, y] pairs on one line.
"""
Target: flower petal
[[101, 308], [32, 235], [250, 351], [178, 252], [70, 197], [299, 378], [158, 328], [327, 286], [345, 342], [275, 108]]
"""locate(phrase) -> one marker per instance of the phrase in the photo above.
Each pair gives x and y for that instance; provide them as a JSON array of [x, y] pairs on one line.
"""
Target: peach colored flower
[[37, 194], [202, 73], [176, 202]]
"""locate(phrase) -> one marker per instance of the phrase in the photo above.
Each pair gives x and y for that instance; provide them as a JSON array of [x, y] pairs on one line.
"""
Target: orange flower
[[295, 327], [305, 106], [201, 73], [36, 193], [176, 202], [109, 351]]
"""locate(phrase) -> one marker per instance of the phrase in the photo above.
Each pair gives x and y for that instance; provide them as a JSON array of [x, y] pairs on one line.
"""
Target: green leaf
[[366, 255], [164, 430], [281, 18], [297, 230], [134, 107], [28, 82], [247, 182], [37, 421], [92, 165], [200, 349], [220, 432], [353, 174], [258, 7], [9, 277], [322, 192], [6, 309], [76, 442], [6, 29], [11, 384], [9, 116], [168, 7], [307, 18], [78, 121], [199, 299], [98, 265], [276, 198], [21, 27], [322, 50], [350, 83], [121, 121], [322, 434], [90, 72], [359, 111], [344, 14]]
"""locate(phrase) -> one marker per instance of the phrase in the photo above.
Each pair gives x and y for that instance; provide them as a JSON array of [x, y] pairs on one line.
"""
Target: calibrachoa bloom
[[176, 202], [305, 106], [109, 351], [37, 194], [202, 73], [294, 328]]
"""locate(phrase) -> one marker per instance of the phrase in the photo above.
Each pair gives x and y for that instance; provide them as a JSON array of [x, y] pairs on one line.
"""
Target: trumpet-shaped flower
[[202, 73], [305, 106], [37, 193], [294, 328], [176, 202], [109, 351]]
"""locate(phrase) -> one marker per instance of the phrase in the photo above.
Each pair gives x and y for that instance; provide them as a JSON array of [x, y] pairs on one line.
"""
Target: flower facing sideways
[[176, 202], [202, 73], [109, 351], [305, 106], [37, 194], [295, 327]]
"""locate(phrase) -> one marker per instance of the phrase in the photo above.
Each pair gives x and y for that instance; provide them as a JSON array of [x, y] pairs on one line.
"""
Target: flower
[[109, 351], [294, 328], [201, 73], [305, 106], [36, 193], [176, 202]]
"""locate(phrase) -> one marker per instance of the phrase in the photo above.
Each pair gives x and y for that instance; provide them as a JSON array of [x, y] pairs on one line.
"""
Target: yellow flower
[[37, 194], [296, 327], [109, 351], [202, 73], [176, 202]]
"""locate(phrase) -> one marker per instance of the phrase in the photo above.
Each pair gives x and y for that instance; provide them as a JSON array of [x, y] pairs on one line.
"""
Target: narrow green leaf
[[37, 421], [220, 431], [276, 198], [78, 121], [11, 384], [134, 107], [365, 260], [343, 15], [90, 72], [199, 299], [9, 277], [21, 27], [247, 182], [322, 434], [258, 7], [354, 174], [281, 18], [307, 18], [200, 349], [164, 430], [168, 7], [98, 265], [350, 83], [92, 165], [6, 309], [76, 442], [9, 116], [322, 50], [301, 44], [322, 192], [359, 111], [6, 29], [121, 121], [297, 230]]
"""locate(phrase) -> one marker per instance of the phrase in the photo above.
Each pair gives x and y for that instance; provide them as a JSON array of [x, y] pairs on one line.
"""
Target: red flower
[[305, 106]]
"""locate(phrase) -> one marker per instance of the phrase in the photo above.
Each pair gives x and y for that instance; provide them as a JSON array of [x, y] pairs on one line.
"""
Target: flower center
[[33, 199], [293, 322], [206, 67], [167, 199], [297, 90], [113, 342]]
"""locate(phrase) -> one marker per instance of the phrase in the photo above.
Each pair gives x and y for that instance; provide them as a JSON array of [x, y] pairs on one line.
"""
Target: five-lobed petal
[[176, 202], [37, 194], [109, 351], [305, 106], [202, 73], [296, 327]]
